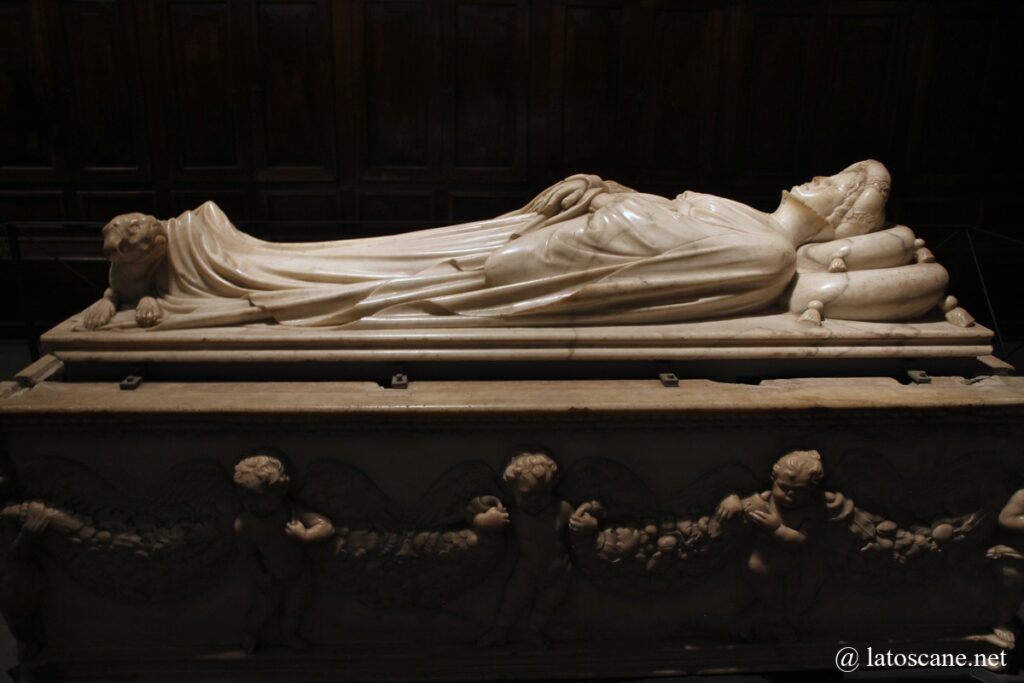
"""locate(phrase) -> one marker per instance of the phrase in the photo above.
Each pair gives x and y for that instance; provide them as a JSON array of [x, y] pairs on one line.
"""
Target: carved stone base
[[631, 524], [768, 336]]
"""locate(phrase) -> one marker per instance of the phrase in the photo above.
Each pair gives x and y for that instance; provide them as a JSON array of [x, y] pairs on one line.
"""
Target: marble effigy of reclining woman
[[584, 252]]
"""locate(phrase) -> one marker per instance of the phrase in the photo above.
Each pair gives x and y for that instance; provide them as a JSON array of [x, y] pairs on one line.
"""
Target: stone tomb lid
[[590, 271], [760, 338]]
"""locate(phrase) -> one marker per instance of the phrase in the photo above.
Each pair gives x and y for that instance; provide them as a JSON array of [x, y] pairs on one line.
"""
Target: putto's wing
[[148, 547], [950, 487], [342, 492], [385, 559], [705, 492], [445, 501], [617, 487], [198, 488], [871, 480], [66, 483], [961, 486]]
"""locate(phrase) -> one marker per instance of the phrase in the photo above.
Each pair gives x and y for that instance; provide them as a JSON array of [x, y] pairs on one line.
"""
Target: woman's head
[[851, 201]]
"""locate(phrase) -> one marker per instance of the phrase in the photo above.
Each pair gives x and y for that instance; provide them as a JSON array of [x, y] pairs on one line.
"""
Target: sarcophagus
[[686, 436]]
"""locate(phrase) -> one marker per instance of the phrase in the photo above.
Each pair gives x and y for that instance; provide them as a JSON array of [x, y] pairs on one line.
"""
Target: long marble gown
[[638, 259]]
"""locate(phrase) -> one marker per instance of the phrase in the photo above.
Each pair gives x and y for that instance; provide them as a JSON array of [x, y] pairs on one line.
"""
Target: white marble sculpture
[[584, 252]]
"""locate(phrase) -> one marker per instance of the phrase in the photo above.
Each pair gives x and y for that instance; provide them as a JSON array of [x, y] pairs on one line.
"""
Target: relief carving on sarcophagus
[[331, 528], [792, 539]]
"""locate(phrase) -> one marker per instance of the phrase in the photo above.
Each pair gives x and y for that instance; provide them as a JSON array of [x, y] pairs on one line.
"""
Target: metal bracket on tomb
[[399, 380], [668, 379], [131, 382], [47, 368], [919, 377]]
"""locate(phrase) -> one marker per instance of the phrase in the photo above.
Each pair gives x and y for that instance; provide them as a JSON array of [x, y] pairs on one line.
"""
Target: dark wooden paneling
[[859, 106], [505, 96], [298, 205], [777, 86], [1002, 139], [585, 85], [79, 284], [32, 205], [396, 88], [471, 206], [1002, 215], [915, 210], [205, 117], [396, 206], [233, 202], [294, 91], [490, 103], [674, 101], [27, 146], [108, 119], [102, 206], [947, 132]]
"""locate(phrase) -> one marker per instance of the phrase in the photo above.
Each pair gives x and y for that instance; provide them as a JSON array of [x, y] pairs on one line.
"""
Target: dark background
[[355, 117]]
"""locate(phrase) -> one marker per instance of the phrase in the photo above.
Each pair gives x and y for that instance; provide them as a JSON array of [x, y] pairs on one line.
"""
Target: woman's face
[[826, 194]]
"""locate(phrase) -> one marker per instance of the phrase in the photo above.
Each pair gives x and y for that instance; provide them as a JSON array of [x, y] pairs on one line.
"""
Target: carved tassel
[[921, 253], [838, 263], [812, 315], [956, 315]]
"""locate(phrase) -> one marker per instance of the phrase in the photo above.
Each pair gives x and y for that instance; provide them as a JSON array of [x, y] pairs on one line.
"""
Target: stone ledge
[[757, 337], [537, 397]]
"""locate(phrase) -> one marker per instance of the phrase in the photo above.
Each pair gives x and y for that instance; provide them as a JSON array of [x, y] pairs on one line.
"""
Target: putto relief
[[1007, 561], [170, 546], [330, 528], [272, 528], [790, 539], [538, 520]]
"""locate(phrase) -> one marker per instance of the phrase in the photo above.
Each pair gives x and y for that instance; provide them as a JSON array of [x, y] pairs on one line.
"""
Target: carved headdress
[[864, 211]]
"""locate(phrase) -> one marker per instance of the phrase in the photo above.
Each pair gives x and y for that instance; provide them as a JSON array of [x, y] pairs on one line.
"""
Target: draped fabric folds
[[638, 259]]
